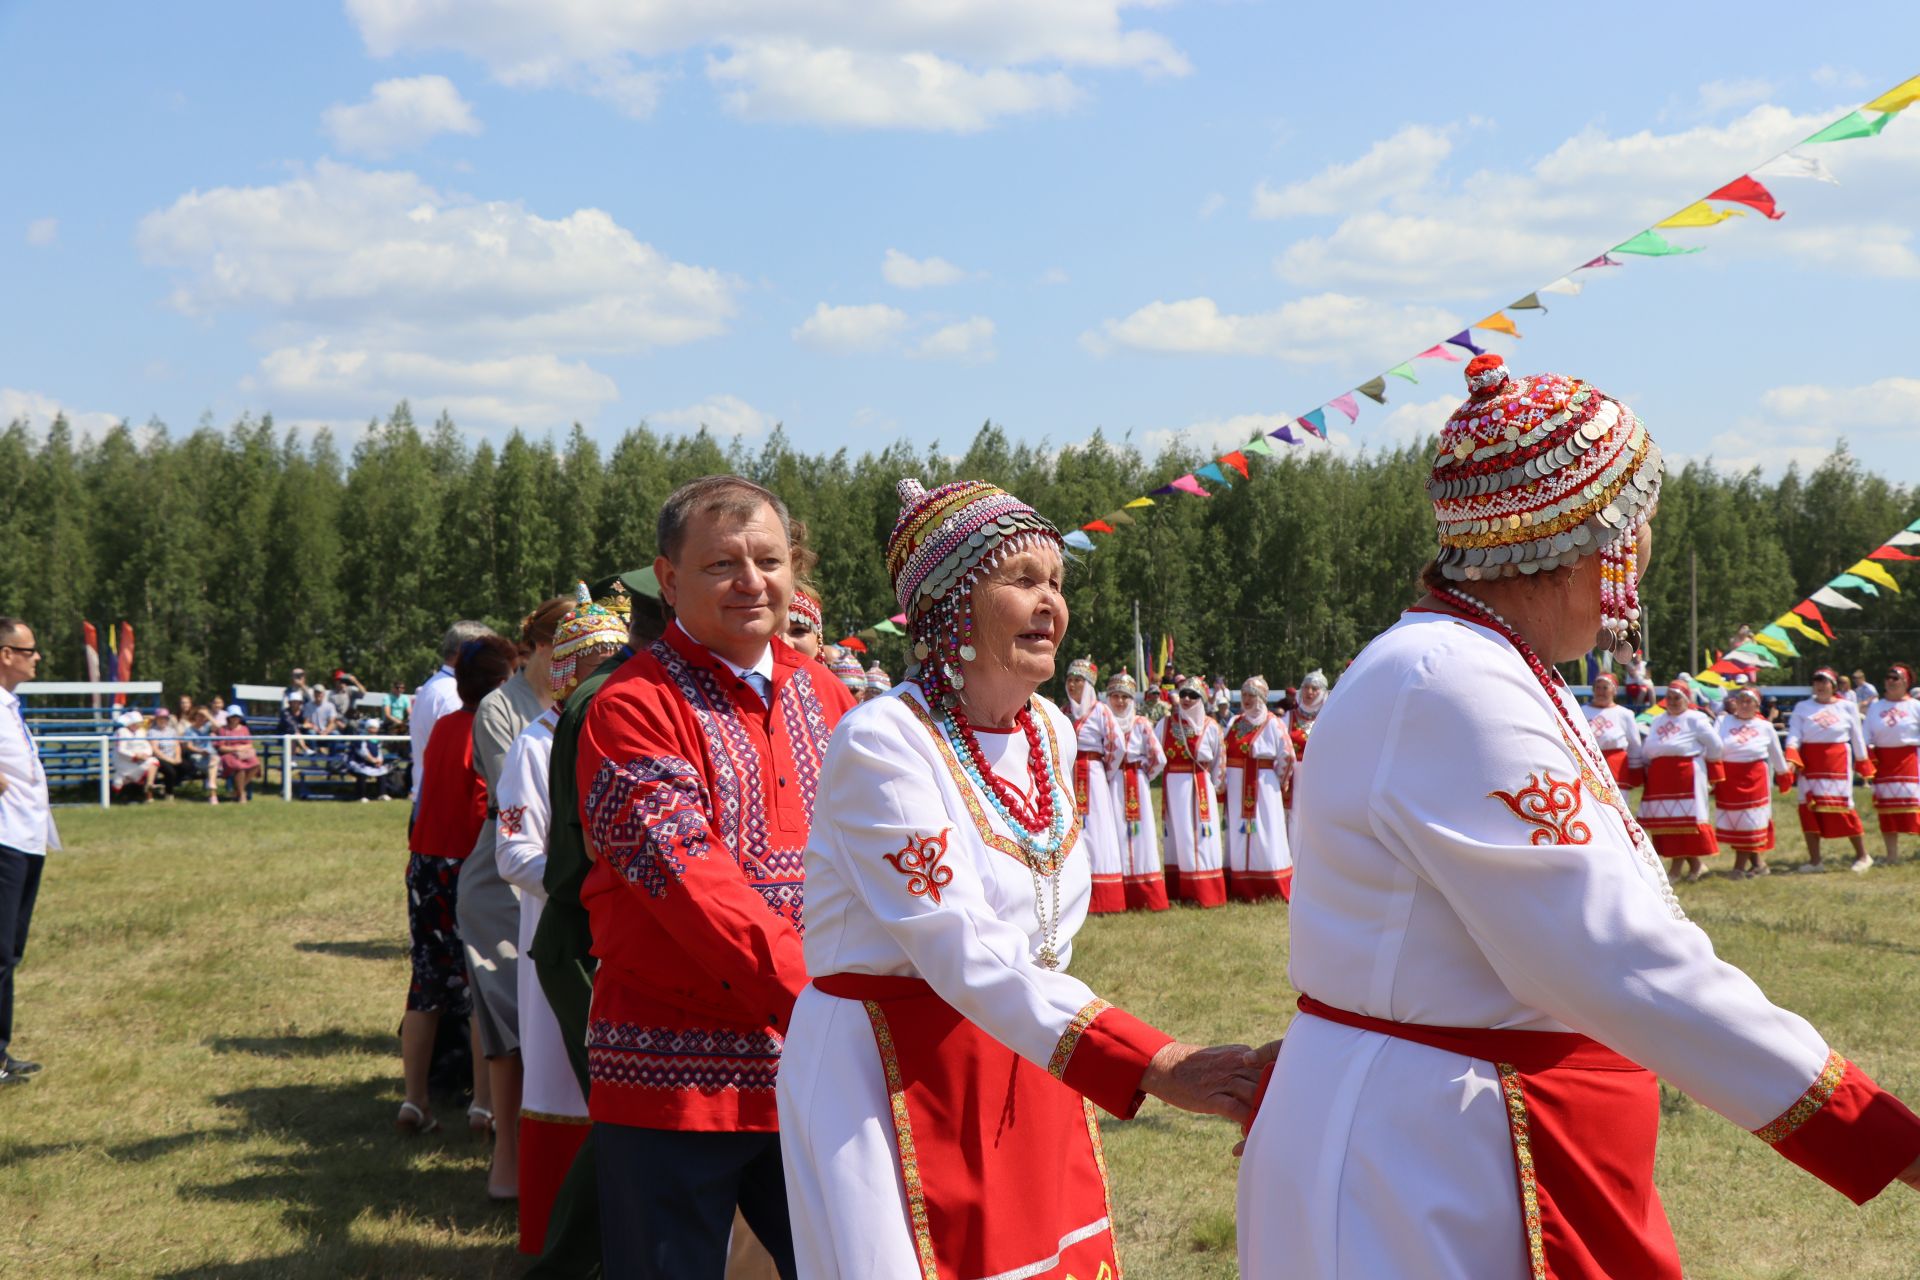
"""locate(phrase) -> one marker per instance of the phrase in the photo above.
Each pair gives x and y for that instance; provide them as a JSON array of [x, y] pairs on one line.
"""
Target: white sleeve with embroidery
[[882, 825], [1473, 773], [520, 831]]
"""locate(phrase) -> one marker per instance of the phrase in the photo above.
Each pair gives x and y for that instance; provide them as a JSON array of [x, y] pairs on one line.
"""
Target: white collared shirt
[[763, 668], [433, 699], [26, 816]]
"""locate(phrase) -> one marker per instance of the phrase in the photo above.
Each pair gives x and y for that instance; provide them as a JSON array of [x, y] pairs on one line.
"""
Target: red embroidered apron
[[1583, 1122], [1829, 816], [1671, 778], [1002, 1163], [1896, 773], [1744, 789]]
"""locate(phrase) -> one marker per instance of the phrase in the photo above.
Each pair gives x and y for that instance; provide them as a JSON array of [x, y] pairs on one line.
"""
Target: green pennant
[[887, 628], [1852, 125], [1375, 389], [1778, 634], [1850, 580], [1259, 446], [1529, 303], [1650, 244], [1402, 371]]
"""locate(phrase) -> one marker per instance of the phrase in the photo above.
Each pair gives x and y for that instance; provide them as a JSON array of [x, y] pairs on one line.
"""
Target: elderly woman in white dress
[[1097, 751], [1190, 791], [937, 1085], [1259, 756], [1141, 761], [1492, 963], [553, 1111]]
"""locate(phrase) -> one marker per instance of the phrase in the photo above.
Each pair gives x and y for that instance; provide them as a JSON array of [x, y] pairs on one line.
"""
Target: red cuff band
[[1104, 1053], [1848, 1132], [1793, 758], [1716, 771]]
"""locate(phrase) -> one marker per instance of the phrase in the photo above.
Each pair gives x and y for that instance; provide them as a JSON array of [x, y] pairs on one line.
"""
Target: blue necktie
[[761, 685]]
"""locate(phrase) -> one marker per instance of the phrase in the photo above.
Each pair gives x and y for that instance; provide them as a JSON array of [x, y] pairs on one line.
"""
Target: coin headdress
[[945, 540], [1533, 474]]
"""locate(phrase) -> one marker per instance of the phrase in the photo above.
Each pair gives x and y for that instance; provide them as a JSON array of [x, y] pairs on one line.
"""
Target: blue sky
[[870, 220]]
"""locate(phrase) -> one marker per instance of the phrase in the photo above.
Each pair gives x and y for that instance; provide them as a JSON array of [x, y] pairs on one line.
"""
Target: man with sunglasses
[[26, 829]]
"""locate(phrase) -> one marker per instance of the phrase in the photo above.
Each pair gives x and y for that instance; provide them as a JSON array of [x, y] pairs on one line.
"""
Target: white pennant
[[1795, 165], [1565, 284], [1833, 599]]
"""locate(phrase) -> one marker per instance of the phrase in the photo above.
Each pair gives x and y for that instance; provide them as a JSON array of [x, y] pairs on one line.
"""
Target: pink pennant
[[898, 619], [1439, 351], [1347, 405], [1187, 484]]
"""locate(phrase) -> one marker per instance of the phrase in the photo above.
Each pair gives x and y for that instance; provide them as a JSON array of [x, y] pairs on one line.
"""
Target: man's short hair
[[459, 635], [10, 628], [714, 495]]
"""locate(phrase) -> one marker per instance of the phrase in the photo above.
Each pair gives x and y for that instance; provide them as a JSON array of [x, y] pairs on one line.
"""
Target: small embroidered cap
[[589, 633], [1256, 684], [1122, 682], [1084, 669], [846, 668], [805, 608], [878, 681]]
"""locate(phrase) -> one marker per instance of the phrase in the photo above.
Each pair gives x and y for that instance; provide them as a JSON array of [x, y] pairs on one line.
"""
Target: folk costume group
[[834, 942], [1708, 784]]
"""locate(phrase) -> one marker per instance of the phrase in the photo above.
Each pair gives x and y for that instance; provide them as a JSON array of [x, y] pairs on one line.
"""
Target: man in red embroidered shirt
[[698, 764]]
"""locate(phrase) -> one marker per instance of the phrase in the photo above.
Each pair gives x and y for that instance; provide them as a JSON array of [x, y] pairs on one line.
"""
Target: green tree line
[[239, 553]]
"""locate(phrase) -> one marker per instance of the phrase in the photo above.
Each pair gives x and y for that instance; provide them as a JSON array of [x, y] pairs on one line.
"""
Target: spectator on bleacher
[[451, 809], [168, 751], [183, 710], [133, 758], [367, 764], [346, 695], [292, 724], [26, 830], [436, 695], [322, 717], [202, 761], [489, 907], [398, 701], [297, 683], [238, 763], [217, 709]]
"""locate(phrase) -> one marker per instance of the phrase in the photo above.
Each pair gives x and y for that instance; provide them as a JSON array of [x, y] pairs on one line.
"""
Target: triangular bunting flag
[[1140, 502], [898, 619], [1098, 526], [1904, 538], [1891, 552], [1238, 461], [1187, 484], [1749, 193], [1873, 573], [1898, 98], [1078, 540], [1213, 472], [854, 643], [1650, 244], [1402, 371], [1285, 435], [1499, 322], [1529, 303], [1713, 678], [1347, 405], [1259, 446], [1604, 260], [1855, 583], [1164, 491], [1793, 165], [1833, 599], [1807, 609], [1742, 657], [1700, 214], [886, 628], [1795, 623], [1375, 389], [1315, 422], [1439, 351], [1753, 655], [1118, 517], [1777, 639], [1565, 284], [1464, 338], [1853, 125]]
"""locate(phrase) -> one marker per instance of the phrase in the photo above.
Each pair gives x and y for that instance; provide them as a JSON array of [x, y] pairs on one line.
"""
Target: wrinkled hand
[[1216, 1082], [1912, 1176]]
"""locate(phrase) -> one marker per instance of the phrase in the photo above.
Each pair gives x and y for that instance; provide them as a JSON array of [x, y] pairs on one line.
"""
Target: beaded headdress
[[1534, 473], [878, 681], [1083, 668], [592, 630], [846, 669], [1122, 682], [1194, 684], [805, 608], [1256, 684], [945, 539]]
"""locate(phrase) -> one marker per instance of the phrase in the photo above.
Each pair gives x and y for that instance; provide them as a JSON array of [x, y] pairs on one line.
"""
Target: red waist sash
[[1583, 1121], [1002, 1163]]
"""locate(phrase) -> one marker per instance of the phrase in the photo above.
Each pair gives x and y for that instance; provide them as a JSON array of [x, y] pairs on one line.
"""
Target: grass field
[[215, 994]]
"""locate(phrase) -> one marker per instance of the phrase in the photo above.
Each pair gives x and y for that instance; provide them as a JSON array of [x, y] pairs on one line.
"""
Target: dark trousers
[[19, 886], [667, 1200]]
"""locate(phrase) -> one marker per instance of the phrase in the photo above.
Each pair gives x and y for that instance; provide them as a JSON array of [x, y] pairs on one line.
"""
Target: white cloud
[[905, 272], [1054, 276], [1213, 204], [508, 390], [1832, 77], [724, 415], [1310, 330], [1717, 96], [1396, 166], [1889, 402], [970, 340], [384, 252], [843, 330], [1801, 423], [38, 410], [1214, 435], [401, 115], [957, 65], [43, 231]]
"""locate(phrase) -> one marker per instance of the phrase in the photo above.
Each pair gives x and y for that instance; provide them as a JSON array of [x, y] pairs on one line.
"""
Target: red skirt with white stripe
[[1826, 790], [1744, 799], [1896, 788], [1670, 810]]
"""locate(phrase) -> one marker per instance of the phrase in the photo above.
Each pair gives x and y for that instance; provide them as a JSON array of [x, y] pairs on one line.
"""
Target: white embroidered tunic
[[1689, 734]]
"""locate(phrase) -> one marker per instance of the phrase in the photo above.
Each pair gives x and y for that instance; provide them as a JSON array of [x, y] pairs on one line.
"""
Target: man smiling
[[697, 767]]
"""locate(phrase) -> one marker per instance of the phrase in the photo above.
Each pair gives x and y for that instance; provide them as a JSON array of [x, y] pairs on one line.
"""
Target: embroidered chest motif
[[1550, 806], [922, 862], [511, 819], [1827, 719]]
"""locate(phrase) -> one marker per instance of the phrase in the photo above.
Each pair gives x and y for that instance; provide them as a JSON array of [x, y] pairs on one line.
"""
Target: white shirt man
[[26, 829]]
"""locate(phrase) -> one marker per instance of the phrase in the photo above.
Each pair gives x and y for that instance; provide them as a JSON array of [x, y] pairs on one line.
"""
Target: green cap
[[638, 582]]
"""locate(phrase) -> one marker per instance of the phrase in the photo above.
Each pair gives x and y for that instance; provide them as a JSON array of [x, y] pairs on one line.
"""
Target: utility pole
[[1693, 607]]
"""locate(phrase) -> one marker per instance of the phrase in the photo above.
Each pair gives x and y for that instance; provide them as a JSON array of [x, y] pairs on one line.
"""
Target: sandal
[[480, 1120], [413, 1121]]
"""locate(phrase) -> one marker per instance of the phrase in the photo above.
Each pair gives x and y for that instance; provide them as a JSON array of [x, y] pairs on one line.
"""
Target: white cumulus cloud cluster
[[951, 65], [400, 115]]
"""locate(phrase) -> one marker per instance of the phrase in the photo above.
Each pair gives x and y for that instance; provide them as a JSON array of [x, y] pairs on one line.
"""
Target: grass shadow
[[321, 1044], [362, 949], [366, 1262]]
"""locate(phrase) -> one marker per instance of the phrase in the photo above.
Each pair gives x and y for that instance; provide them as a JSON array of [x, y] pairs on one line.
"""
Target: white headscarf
[[1081, 707], [1121, 687], [1313, 694], [1195, 716]]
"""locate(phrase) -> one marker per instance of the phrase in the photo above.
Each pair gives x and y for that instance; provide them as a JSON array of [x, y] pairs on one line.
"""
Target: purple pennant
[[1464, 338], [1162, 491], [1285, 434]]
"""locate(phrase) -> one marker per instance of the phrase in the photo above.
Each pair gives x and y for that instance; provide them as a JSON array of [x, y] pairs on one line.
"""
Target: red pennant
[[854, 643], [1097, 526], [1749, 193], [1891, 552], [1238, 461], [1811, 611]]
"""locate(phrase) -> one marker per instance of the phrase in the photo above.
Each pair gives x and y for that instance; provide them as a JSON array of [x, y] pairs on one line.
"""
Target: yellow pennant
[[1141, 502], [1899, 98], [1499, 323], [1873, 572], [1780, 647], [1794, 622], [1700, 214]]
